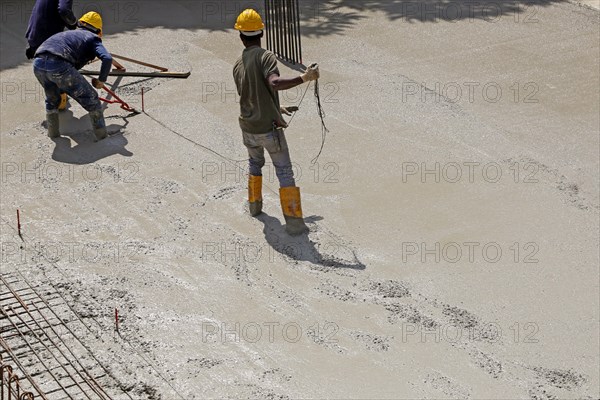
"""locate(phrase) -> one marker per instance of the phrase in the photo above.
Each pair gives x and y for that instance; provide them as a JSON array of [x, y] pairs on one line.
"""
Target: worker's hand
[[288, 110], [29, 53], [72, 27], [311, 74], [98, 84]]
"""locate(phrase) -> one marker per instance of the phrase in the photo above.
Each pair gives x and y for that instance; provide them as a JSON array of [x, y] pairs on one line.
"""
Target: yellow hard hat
[[249, 21], [92, 18]]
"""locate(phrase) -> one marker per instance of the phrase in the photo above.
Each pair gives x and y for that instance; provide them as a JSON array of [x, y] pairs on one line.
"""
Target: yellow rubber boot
[[255, 194], [63, 102], [292, 211]]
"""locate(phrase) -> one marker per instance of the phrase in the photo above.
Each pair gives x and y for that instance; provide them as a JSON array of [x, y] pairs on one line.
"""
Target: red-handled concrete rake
[[117, 100]]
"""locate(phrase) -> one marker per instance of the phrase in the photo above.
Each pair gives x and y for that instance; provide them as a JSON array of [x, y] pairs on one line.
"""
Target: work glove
[[98, 84], [72, 27], [29, 53], [288, 110], [311, 74]]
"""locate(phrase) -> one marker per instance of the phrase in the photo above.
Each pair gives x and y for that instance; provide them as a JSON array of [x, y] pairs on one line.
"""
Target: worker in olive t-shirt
[[257, 79]]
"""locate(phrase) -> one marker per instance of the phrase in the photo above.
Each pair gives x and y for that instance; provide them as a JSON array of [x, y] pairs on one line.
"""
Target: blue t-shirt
[[78, 47]]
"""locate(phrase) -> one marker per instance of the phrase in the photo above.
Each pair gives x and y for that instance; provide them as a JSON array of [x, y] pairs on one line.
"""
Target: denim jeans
[[59, 76], [274, 142]]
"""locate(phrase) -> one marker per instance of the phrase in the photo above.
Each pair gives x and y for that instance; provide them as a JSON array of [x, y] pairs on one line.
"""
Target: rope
[[320, 113]]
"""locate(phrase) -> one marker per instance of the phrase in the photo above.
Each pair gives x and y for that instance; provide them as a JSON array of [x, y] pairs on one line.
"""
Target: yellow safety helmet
[[249, 21], [93, 19]]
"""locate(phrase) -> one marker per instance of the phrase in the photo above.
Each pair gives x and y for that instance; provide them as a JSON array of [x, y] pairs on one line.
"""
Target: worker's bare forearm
[[278, 83]]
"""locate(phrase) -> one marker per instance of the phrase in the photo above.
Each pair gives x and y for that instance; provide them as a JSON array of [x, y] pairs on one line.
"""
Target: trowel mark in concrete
[[410, 314], [486, 362], [539, 392], [325, 337], [329, 289], [447, 385], [388, 289], [460, 318], [275, 375], [252, 391], [371, 341], [166, 186], [221, 194], [559, 378], [570, 190]]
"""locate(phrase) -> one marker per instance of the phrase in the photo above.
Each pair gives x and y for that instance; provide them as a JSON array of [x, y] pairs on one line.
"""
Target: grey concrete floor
[[454, 212]]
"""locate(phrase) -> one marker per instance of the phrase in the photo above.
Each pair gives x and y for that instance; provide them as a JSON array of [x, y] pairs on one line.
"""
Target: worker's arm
[[65, 10], [106, 59], [279, 83]]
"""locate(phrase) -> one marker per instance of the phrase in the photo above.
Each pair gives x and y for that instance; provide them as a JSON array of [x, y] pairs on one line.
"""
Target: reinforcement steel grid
[[41, 355]]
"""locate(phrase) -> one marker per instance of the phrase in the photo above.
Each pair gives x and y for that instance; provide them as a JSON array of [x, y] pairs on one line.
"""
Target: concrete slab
[[454, 212]]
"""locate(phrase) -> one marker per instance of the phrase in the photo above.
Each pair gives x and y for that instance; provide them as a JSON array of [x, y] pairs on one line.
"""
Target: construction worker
[[258, 82], [48, 18], [56, 66]]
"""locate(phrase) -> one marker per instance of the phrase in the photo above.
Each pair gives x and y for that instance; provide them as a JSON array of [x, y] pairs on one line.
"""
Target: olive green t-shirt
[[259, 103]]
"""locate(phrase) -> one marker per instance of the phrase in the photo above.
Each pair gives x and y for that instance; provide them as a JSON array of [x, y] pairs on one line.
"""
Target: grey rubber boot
[[53, 125], [98, 124]]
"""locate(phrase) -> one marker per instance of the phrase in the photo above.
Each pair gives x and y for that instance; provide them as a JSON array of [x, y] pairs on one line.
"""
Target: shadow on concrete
[[319, 17], [330, 17], [301, 248], [86, 150]]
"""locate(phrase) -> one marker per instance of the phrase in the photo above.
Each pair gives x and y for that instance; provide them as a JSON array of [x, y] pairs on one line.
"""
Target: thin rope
[[320, 113]]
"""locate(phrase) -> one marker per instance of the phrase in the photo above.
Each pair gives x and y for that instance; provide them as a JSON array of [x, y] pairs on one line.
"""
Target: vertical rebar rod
[[294, 31], [286, 24], [280, 27], [268, 23], [299, 36], [274, 14]]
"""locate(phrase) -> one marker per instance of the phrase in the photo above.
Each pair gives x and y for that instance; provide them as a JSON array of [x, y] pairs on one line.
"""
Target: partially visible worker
[[48, 18], [56, 66], [258, 82]]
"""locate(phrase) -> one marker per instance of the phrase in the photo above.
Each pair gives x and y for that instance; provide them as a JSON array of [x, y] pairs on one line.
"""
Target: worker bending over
[[56, 66], [258, 82]]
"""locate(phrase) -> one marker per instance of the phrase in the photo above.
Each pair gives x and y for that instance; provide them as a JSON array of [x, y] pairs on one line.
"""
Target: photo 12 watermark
[[72, 252], [225, 92], [469, 172], [471, 92], [36, 172], [491, 332], [470, 252], [237, 172], [269, 332]]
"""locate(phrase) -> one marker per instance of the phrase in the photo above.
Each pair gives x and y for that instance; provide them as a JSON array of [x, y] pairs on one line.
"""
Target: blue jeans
[[277, 147], [59, 76]]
